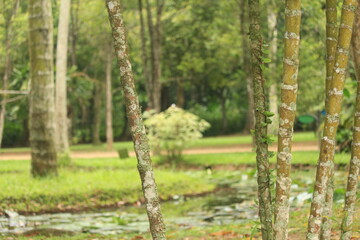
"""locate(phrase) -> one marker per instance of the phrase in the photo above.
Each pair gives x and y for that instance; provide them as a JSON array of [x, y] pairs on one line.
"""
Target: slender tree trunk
[[224, 119], [141, 144], [273, 97], [155, 43], [333, 108], [354, 170], [250, 115], [262, 154], [180, 93], [146, 70], [109, 107], [97, 114], [74, 28], [332, 32], [42, 97], [61, 96], [287, 116]]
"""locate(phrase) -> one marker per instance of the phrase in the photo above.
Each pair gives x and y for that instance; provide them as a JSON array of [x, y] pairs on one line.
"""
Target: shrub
[[171, 131]]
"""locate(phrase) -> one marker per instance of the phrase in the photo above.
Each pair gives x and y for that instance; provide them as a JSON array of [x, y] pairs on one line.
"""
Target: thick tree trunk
[[333, 108], [141, 144], [97, 114], [273, 97], [250, 115], [354, 169], [155, 43], [262, 154], [287, 116], [42, 97], [109, 106], [146, 70], [61, 96], [332, 31]]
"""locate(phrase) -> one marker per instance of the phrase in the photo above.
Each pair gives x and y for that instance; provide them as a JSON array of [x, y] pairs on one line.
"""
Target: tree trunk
[[74, 28], [97, 114], [155, 43], [146, 70], [61, 96], [141, 143], [273, 97], [109, 127], [250, 115], [262, 154], [180, 93], [287, 116], [42, 97], [333, 108], [332, 31], [354, 169]]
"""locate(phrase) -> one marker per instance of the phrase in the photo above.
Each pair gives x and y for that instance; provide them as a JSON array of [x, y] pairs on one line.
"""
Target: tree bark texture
[[273, 96], [262, 154], [250, 114], [61, 96], [354, 169], [332, 32], [109, 106], [333, 108], [133, 111], [42, 97], [155, 43], [287, 116]]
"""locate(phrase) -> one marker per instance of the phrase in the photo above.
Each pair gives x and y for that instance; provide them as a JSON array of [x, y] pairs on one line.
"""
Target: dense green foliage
[[201, 63]]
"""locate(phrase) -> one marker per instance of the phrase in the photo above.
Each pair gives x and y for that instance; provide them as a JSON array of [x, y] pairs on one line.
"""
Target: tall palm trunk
[[333, 108], [287, 116], [141, 143], [262, 154], [42, 97], [61, 96], [354, 170], [332, 32]]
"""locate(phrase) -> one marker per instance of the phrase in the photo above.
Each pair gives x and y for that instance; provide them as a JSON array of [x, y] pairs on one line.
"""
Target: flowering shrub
[[173, 130]]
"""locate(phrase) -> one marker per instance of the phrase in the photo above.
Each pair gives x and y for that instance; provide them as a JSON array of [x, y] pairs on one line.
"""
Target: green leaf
[[346, 93], [266, 60], [269, 114]]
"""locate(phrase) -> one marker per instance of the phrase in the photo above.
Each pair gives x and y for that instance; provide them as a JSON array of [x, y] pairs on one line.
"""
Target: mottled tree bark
[[250, 114], [109, 106], [354, 169], [155, 43], [61, 96], [97, 114], [273, 94], [333, 108], [287, 116], [133, 111], [331, 43], [42, 97], [262, 154]]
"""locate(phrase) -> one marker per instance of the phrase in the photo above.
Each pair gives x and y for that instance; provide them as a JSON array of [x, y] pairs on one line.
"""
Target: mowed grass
[[220, 141], [97, 183]]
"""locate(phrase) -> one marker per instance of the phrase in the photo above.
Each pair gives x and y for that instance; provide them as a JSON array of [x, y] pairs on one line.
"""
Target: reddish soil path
[[297, 146]]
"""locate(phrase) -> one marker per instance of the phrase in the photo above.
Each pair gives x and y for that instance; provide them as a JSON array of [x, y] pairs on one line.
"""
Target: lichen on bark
[[261, 138], [42, 98], [333, 108], [354, 169], [133, 111], [287, 116]]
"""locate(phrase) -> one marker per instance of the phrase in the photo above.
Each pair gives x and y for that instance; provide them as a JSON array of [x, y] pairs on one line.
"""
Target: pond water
[[232, 203]]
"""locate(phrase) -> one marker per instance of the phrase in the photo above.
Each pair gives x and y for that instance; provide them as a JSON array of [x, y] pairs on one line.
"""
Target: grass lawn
[[204, 142], [80, 187]]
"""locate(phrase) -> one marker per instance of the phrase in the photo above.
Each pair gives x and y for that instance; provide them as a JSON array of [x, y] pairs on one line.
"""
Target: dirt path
[[297, 146]]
